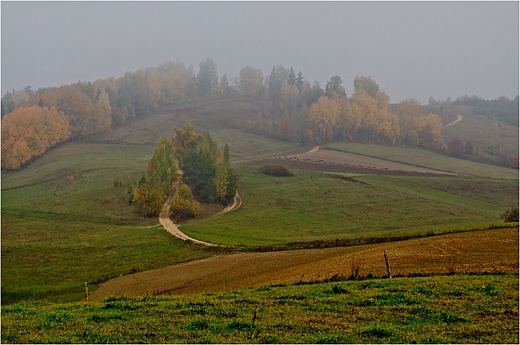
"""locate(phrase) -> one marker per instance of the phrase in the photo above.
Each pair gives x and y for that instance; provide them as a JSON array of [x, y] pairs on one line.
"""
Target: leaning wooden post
[[86, 291], [387, 266]]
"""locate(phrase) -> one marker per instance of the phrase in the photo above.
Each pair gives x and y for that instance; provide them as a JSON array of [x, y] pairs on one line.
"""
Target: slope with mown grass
[[316, 206]]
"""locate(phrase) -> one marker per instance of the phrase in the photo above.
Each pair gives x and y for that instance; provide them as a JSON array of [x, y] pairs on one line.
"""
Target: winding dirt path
[[172, 228], [459, 117]]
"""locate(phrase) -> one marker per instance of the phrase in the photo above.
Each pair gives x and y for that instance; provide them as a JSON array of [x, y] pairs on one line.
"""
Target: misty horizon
[[413, 50]]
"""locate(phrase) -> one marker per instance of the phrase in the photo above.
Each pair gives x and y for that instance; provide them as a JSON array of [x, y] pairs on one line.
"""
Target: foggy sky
[[412, 49]]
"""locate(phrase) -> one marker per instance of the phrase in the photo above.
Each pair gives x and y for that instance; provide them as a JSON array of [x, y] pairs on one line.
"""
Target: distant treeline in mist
[[290, 108], [503, 108]]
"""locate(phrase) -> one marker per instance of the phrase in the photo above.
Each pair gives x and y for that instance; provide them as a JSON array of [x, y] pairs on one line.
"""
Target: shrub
[[456, 148], [148, 200], [183, 205], [511, 215], [275, 170], [355, 268]]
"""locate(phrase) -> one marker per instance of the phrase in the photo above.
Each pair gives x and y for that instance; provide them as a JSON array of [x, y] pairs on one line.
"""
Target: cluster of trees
[[29, 132], [365, 117], [206, 168], [503, 108], [202, 170], [457, 148], [93, 108], [290, 108]]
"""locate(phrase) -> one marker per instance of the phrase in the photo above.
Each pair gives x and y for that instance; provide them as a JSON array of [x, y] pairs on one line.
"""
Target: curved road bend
[[459, 117], [168, 225]]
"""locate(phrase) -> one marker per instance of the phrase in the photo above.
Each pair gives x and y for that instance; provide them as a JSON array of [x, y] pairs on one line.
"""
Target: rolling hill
[[73, 183]]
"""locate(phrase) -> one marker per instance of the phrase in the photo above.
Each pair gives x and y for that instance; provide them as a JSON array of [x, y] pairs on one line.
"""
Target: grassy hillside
[[228, 121], [482, 132], [445, 309], [64, 222], [313, 205], [62, 232]]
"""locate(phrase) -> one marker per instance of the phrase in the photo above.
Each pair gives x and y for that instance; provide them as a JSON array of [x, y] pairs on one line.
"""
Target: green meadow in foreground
[[438, 309], [319, 206]]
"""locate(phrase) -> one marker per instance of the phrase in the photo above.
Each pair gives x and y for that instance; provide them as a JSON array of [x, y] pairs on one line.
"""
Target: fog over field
[[412, 49]]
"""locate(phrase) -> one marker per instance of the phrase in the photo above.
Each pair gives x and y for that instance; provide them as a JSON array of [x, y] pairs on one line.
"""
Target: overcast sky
[[412, 49]]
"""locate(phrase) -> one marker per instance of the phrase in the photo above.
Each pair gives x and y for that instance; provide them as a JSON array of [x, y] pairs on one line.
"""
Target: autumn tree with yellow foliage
[[365, 117], [30, 132], [162, 172]]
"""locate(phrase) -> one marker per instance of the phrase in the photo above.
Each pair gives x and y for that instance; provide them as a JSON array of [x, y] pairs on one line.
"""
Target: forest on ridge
[[290, 108]]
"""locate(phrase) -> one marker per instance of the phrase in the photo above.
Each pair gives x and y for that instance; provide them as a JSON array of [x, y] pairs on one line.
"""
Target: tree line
[[202, 169], [502, 108], [290, 108]]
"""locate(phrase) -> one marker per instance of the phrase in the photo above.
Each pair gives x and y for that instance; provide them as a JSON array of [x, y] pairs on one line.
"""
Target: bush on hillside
[[511, 215], [275, 170], [456, 148], [183, 205]]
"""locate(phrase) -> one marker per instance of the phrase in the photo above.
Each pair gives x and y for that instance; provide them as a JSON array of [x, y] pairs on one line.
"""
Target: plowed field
[[470, 252]]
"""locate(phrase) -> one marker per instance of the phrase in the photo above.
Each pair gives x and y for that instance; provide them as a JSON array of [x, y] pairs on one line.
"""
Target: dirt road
[[335, 161], [172, 228], [459, 117]]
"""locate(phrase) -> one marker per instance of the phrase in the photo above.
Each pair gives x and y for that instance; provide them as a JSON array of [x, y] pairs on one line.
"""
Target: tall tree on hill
[[322, 119], [207, 78], [101, 121], [224, 87], [289, 96], [430, 131], [163, 168], [334, 87], [184, 141], [300, 83], [275, 81], [409, 112], [199, 176], [368, 84], [291, 78], [162, 172], [250, 82]]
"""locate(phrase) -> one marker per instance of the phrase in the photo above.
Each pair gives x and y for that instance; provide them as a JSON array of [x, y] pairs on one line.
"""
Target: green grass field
[[317, 206], [46, 258], [85, 230], [64, 223], [442, 309], [59, 232]]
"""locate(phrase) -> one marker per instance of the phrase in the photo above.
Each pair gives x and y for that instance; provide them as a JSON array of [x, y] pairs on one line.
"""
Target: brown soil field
[[334, 161], [468, 252]]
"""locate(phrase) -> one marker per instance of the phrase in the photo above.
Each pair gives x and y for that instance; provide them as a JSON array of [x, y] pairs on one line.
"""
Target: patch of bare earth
[[334, 161], [469, 252]]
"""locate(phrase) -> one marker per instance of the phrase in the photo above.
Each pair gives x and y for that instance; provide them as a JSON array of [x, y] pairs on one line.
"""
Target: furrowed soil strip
[[485, 251]]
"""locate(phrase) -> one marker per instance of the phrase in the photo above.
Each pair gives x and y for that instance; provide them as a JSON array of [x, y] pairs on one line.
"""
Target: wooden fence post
[[86, 291], [387, 266]]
